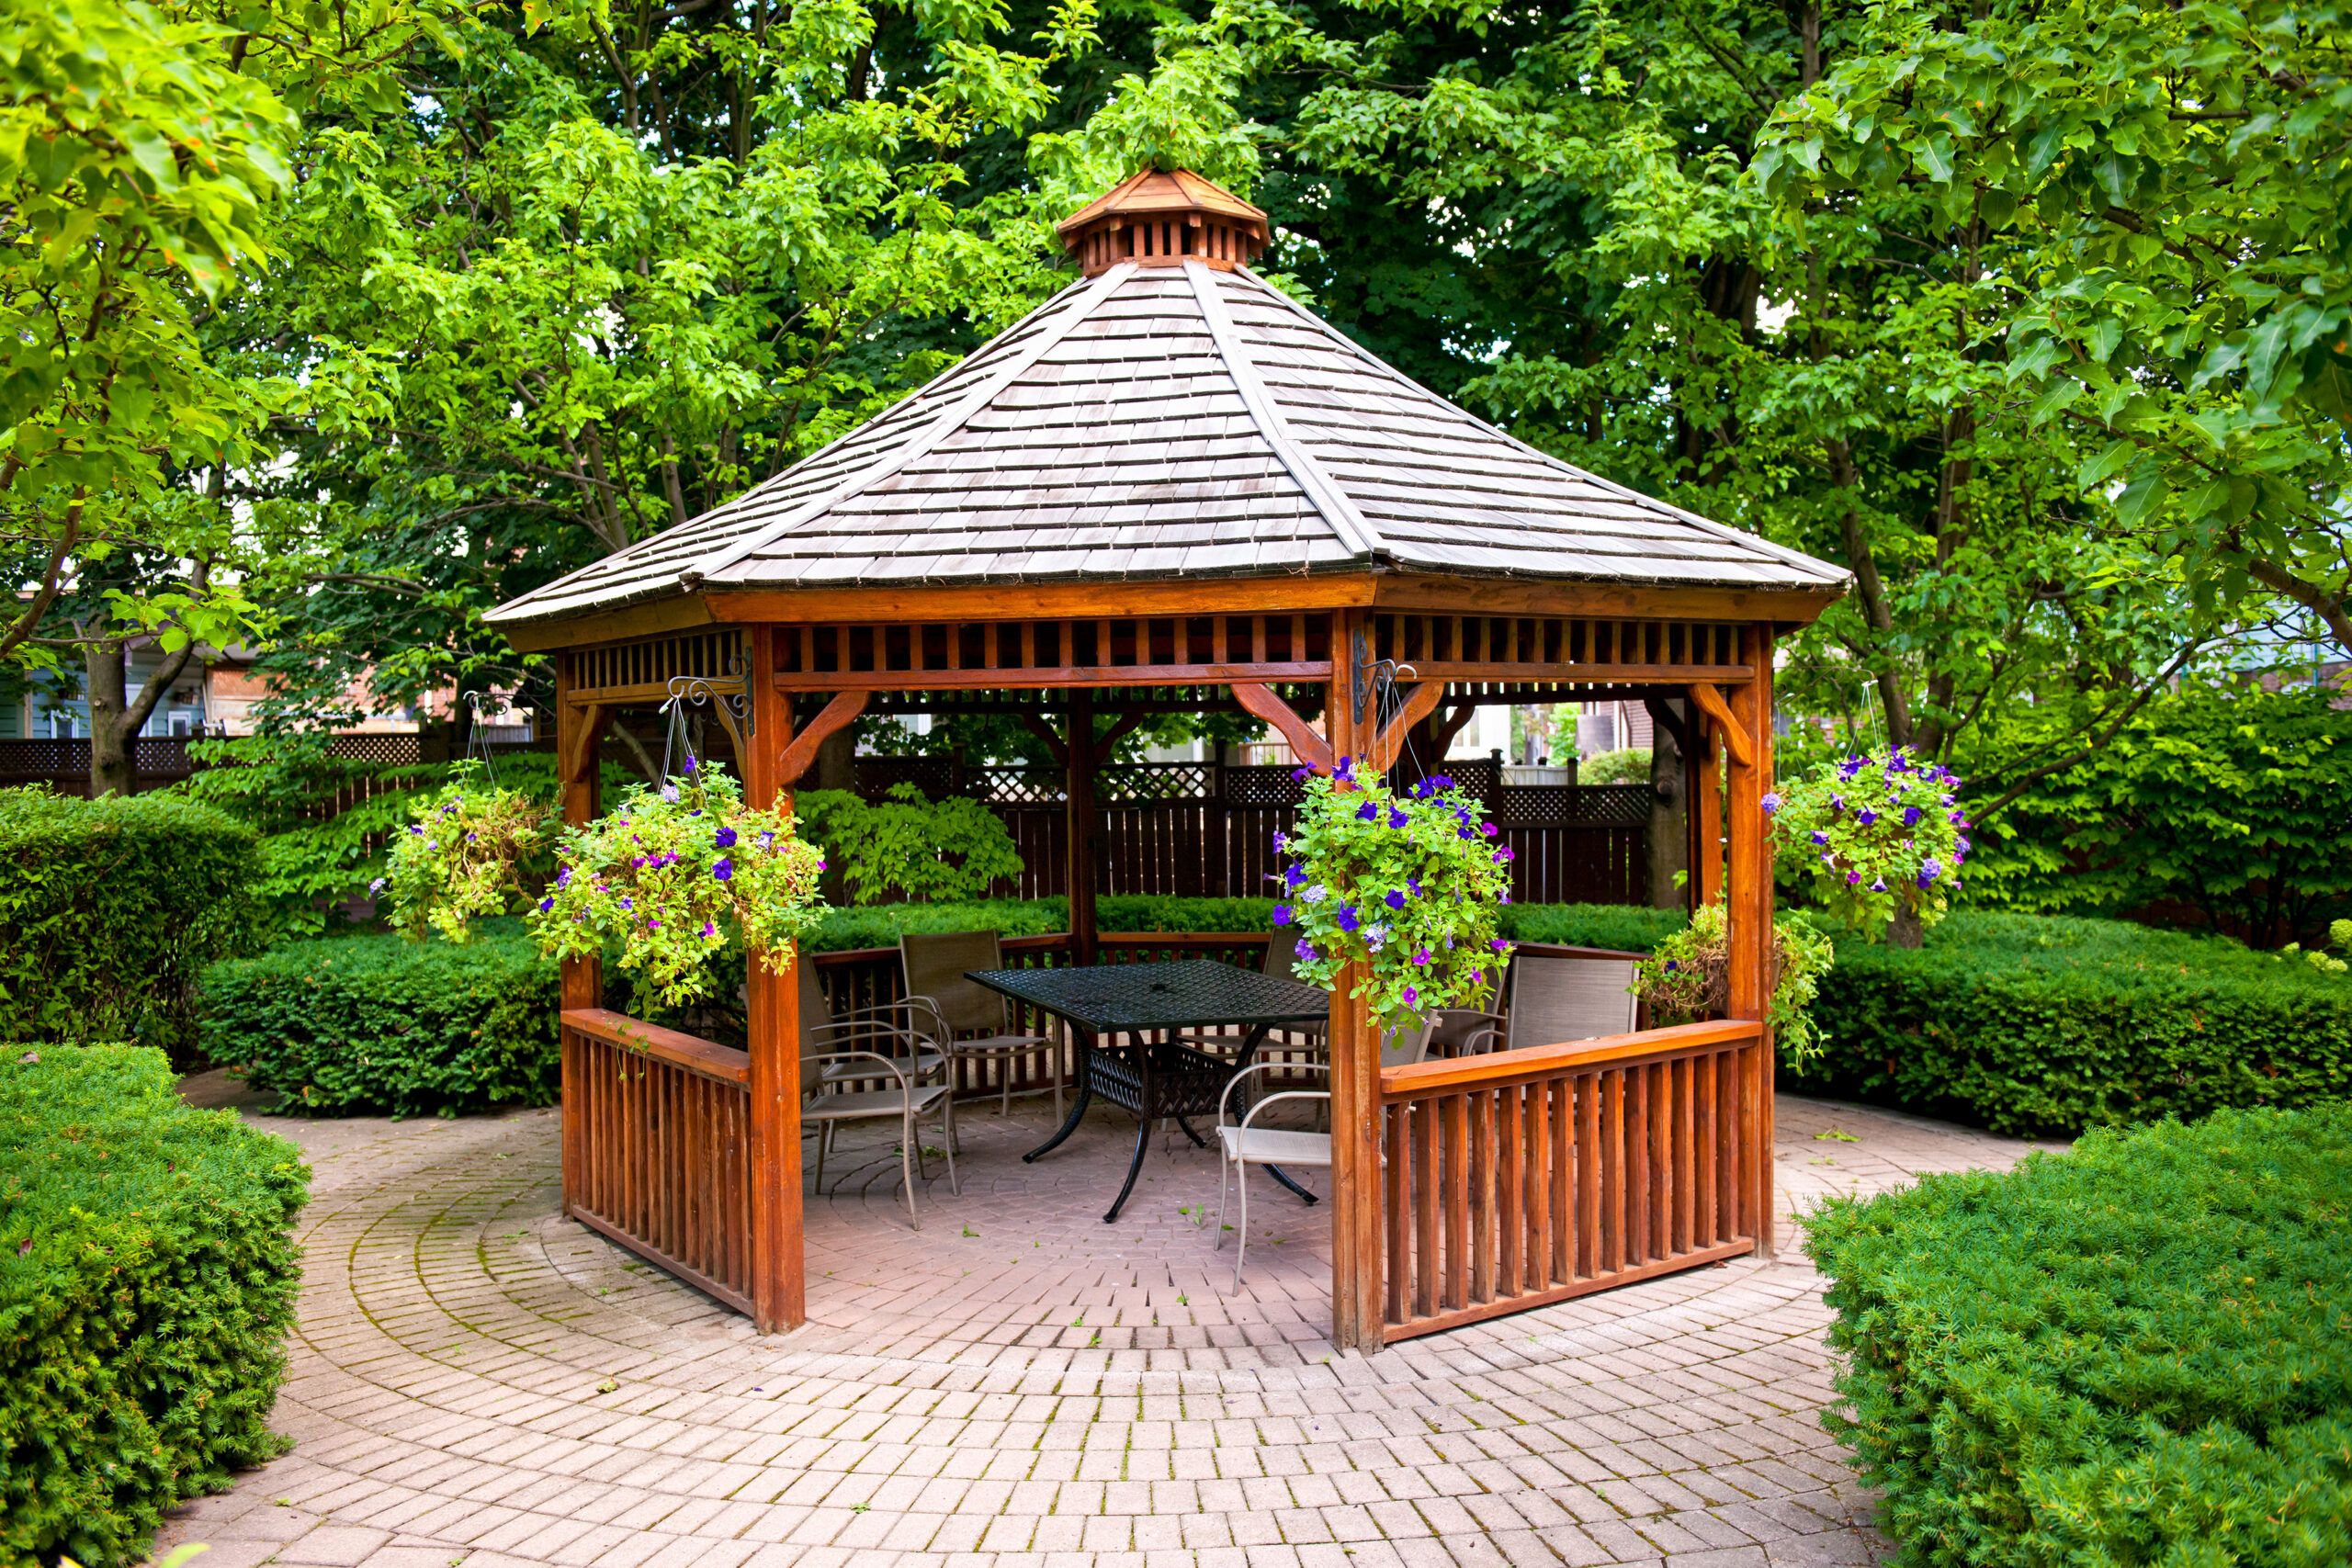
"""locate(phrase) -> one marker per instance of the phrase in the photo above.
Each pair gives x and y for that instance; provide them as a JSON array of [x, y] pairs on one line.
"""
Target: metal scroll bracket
[[727, 696]]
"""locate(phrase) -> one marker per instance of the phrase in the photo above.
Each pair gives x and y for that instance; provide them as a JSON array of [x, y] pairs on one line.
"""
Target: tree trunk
[[113, 770], [836, 768], [1670, 835], [1905, 929]]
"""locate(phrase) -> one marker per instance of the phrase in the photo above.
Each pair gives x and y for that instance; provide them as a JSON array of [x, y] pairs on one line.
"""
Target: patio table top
[[1109, 999]]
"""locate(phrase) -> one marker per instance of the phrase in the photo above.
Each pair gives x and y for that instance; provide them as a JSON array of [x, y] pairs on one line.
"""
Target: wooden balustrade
[[1529, 1176], [656, 1140]]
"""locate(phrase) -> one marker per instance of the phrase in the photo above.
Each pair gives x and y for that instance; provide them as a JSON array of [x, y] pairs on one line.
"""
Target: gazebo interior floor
[[1022, 1256]]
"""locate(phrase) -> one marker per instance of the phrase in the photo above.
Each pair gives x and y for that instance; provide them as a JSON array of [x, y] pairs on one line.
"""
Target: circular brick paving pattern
[[477, 1380]]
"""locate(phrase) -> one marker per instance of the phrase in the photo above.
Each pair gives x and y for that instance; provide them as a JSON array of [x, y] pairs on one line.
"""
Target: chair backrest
[[933, 964], [1553, 999], [813, 1011], [1281, 951], [1403, 1047]]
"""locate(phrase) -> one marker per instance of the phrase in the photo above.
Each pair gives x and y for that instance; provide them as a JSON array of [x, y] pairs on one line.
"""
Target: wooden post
[[1082, 828], [577, 728], [779, 1269], [1356, 1322], [1749, 914]]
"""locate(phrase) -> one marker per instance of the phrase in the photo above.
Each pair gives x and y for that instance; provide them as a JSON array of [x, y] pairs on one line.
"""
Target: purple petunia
[[1672, 964], [1294, 877], [1819, 837], [1505, 855], [1880, 885], [709, 930], [1853, 878], [722, 868], [1412, 996], [627, 905], [1498, 945], [375, 887], [1770, 803], [1929, 871], [724, 838], [545, 905], [1368, 812], [1299, 775], [1306, 950], [563, 878], [1421, 957], [1911, 814], [1397, 818], [1281, 914], [1463, 832], [1866, 817], [669, 793], [1395, 898], [1488, 829], [1345, 768], [1346, 916], [415, 830]]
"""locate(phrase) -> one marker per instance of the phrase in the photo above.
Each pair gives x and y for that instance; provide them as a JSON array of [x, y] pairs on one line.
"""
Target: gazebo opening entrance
[[1172, 485]]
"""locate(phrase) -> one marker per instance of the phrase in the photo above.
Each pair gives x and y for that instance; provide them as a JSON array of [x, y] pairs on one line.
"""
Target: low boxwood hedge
[[349, 1025], [147, 1283], [2030, 1023], [112, 907], [2139, 1352]]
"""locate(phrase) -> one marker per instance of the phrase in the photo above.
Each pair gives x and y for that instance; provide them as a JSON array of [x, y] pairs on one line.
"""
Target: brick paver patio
[[477, 1380]]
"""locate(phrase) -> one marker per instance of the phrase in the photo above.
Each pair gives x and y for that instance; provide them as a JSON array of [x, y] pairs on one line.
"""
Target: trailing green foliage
[[2139, 1352], [2029, 1024], [372, 1024], [147, 1283], [112, 908], [1870, 839], [904, 845], [1687, 977], [2232, 801], [460, 859], [326, 820]]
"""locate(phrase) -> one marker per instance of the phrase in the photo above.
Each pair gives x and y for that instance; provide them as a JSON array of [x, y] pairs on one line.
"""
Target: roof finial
[[1162, 220]]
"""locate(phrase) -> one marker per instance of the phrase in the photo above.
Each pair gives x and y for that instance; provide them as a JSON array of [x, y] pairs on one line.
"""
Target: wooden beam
[[1525, 596], [1311, 749], [779, 1263], [577, 728], [1733, 731], [1040, 601], [1357, 1320], [1747, 895], [1390, 741], [1079, 753], [630, 623], [801, 754], [1049, 677], [1463, 672]]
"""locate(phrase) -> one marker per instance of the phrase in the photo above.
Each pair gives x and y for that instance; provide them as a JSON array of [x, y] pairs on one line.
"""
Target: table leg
[[1078, 1102], [1135, 1168], [1249, 1049]]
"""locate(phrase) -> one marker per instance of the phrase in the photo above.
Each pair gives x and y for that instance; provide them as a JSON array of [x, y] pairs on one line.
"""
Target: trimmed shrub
[[147, 1283], [2139, 1352], [2028, 1024], [342, 1026], [112, 909]]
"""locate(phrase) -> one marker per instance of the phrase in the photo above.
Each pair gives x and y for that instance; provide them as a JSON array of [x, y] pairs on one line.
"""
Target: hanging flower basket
[[668, 873], [1408, 885], [459, 860], [1687, 977], [1874, 836]]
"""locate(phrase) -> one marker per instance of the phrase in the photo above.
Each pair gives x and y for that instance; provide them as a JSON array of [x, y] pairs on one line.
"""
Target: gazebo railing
[[657, 1147], [1532, 1175]]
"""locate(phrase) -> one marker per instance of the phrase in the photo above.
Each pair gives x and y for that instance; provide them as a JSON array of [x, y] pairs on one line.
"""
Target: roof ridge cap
[[1090, 294], [1725, 530], [1334, 505]]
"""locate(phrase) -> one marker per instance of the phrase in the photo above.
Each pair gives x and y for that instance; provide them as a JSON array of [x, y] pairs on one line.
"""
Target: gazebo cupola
[[1156, 220]]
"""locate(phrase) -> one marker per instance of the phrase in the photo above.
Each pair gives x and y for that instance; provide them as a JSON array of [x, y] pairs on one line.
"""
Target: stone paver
[[477, 1380]]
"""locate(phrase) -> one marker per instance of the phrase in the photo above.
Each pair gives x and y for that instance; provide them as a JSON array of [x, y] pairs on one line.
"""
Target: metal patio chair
[[1553, 999], [822, 1029], [964, 1020], [833, 1076]]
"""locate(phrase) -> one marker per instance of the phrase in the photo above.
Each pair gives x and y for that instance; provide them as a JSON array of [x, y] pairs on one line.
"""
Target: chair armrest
[[1225, 1101], [1251, 1115], [889, 1067]]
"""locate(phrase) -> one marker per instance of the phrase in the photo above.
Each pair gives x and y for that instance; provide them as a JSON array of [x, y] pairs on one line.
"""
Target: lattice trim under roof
[[1158, 422]]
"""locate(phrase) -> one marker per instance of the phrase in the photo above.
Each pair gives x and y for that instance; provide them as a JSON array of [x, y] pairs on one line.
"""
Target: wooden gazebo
[[1172, 486]]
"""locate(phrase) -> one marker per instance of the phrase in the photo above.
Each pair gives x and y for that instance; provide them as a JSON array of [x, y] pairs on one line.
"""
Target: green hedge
[[2139, 1352], [112, 907], [359, 1024], [2028, 1024], [147, 1283], [1582, 925]]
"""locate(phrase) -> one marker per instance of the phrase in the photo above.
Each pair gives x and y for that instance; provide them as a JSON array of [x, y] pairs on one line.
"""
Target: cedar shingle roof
[[1173, 421]]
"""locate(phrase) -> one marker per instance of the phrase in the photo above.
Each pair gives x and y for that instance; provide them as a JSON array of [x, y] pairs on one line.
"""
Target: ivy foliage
[[148, 1274], [906, 846], [2139, 1352], [1407, 887], [378, 1025], [112, 908]]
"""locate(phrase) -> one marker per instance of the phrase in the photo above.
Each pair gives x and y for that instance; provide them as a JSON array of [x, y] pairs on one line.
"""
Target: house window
[[183, 725]]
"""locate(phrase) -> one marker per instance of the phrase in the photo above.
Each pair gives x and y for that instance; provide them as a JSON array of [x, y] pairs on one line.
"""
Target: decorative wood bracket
[[1451, 726], [801, 754], [1735, 738], [1309, 748], [1055, 746], [1130, 722]]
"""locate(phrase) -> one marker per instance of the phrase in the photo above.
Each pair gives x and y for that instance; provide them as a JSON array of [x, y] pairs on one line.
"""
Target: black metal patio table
[[1156, 1078]]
